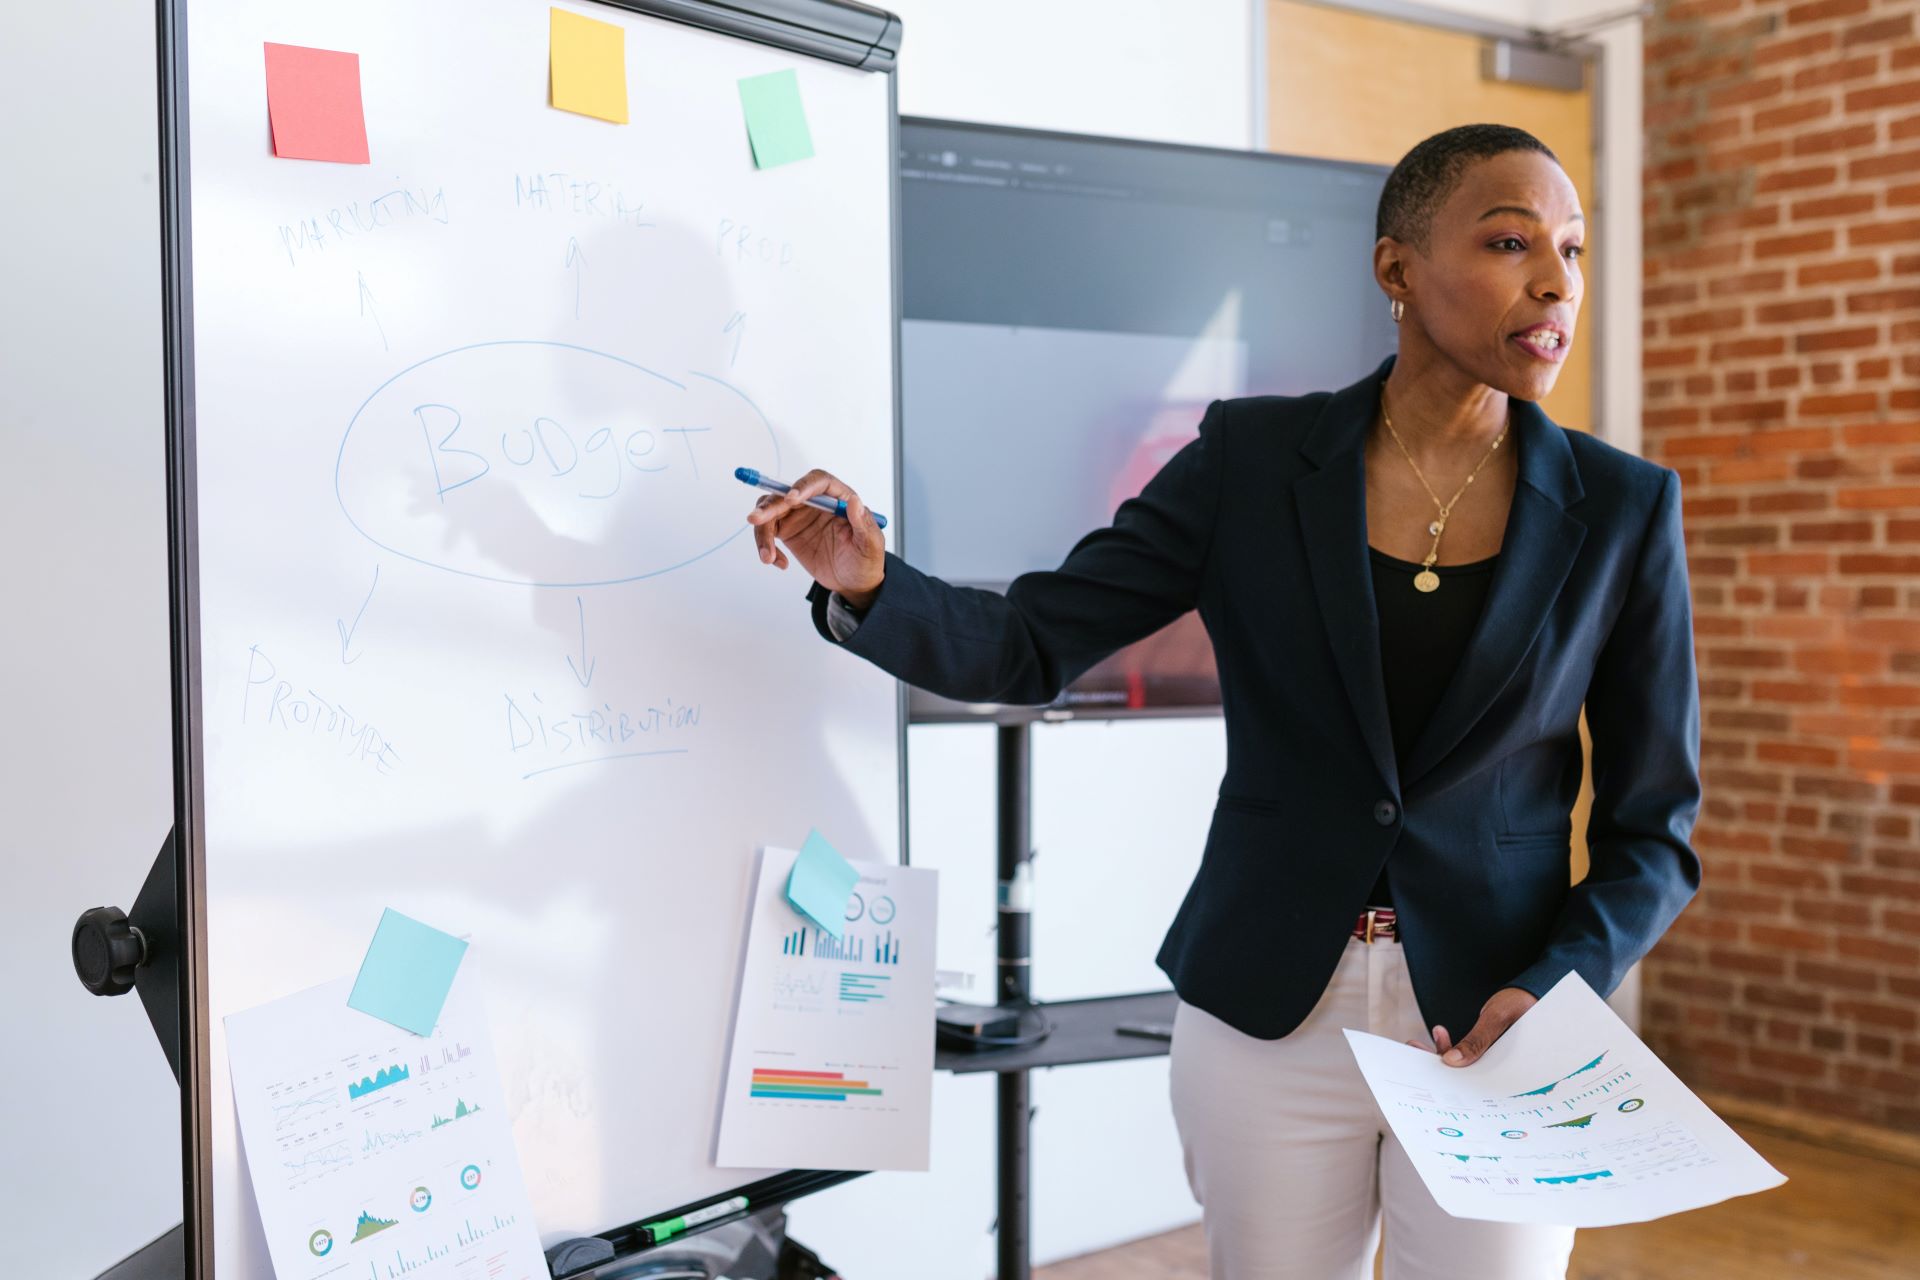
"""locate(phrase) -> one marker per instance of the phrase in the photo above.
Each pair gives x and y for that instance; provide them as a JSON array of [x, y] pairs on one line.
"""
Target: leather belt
[[1376, 924]]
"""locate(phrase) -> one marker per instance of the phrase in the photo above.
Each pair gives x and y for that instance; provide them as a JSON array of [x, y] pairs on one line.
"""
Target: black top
[[1423, 635]]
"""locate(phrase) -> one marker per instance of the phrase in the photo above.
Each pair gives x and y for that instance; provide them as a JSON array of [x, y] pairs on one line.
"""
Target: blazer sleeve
[[1117, 585], [1643, 713]]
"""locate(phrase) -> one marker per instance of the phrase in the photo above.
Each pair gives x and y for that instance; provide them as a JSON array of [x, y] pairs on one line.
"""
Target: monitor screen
[[1071, 306]]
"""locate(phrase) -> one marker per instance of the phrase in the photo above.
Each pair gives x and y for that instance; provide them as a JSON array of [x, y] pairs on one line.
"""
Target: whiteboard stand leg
[[1015, 784]]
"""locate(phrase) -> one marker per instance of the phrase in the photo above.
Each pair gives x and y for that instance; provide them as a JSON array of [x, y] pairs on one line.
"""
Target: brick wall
[[1782, 368]]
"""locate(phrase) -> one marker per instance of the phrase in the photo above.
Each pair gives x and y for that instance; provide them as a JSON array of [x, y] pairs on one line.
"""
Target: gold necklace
[[1427, 579]]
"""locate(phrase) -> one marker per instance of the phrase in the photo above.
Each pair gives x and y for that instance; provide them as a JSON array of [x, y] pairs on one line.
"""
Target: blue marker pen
[[832, 506]]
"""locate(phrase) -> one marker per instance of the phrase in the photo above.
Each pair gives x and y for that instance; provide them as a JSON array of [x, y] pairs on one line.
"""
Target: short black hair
[[1429, 173]]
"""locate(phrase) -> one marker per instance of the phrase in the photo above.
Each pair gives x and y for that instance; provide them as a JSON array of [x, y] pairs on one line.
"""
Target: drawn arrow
[[346, 632], [586, 679], [574, 258], [366, 309], [739, 321]]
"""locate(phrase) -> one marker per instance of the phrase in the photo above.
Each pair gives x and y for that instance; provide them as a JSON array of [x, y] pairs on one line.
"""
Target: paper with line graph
[[376, 1153], [832, 1058], [1568, 1119]]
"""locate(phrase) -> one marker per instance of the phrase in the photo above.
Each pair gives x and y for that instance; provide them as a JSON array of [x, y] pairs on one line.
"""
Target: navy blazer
[[1260, 524]]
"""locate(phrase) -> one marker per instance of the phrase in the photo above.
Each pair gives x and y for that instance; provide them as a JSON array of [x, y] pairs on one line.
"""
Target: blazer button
[[1385, 812]]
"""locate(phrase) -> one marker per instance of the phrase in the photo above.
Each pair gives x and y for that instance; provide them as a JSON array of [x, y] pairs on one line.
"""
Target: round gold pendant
[[1426, 580]]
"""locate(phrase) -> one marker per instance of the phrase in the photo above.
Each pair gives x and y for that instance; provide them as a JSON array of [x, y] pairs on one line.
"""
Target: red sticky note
[[313, 104]]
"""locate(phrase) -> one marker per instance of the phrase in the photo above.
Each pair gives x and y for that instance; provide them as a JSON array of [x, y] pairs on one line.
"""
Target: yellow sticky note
[[587, 66]]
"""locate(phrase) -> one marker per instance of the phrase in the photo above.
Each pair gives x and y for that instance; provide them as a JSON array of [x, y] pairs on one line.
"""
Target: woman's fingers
[[812, 483], [861, 520]]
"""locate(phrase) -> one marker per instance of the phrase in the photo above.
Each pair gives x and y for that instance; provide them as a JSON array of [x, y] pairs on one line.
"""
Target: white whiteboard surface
[[418, 648]]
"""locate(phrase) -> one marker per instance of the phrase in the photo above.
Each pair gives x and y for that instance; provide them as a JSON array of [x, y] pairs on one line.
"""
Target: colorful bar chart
[[863, 988], [886, 948], [808, 1086], [794, 944]]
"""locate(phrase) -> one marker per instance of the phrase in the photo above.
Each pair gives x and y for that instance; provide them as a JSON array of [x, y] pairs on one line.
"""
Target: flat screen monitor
[[1071, 306]]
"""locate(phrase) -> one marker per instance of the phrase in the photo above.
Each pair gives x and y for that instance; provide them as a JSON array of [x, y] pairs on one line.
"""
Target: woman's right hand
[[848, 556]]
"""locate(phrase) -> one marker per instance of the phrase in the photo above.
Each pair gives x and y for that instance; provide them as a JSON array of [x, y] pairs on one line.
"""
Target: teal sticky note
[[407, 973], [820, 883], [776, 122]]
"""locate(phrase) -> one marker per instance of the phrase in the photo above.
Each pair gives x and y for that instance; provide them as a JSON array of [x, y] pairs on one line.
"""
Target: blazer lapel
[[1332, 504], [1536, 554]]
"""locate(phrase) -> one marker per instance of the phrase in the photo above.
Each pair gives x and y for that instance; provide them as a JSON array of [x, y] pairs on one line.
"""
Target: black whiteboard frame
[[840, 31]]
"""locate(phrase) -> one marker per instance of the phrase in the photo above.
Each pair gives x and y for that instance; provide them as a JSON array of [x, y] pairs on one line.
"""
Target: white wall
[[89, 1115], [86, 657]]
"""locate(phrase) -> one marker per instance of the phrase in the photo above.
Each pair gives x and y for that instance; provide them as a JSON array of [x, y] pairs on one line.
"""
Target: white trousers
[[1296, 1168]]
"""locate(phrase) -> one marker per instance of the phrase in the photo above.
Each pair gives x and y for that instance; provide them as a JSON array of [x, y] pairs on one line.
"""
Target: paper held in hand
[[1568, 1119]]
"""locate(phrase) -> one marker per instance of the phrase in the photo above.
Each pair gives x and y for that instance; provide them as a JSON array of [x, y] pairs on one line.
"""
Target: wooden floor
[[1840, 1216]]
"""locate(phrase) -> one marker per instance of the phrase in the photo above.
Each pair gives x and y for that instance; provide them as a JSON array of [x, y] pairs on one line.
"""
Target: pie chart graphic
[[320, 1243], [421, 1199], [470, 1176]]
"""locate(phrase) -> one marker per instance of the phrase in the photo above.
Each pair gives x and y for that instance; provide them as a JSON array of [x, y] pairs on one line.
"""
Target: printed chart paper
[[1568, 1119], [832, 1059], [376, 1153]]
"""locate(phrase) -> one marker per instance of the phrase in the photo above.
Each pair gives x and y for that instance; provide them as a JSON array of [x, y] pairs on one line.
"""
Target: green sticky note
[[820, 883], [776, 122], [407, 973]]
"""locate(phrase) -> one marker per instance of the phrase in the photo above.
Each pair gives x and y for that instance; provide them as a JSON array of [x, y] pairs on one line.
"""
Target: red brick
[[1859, 433], [1742, 91], [1802, 179], [1819, 11], [1900, 94], [1799, 242], [1878, 498], [1846, 270], [1883, 300], [1849, 402], [1824, 73], [1876, 1014], [1846, 137], [1896, 231], [1836, 339], [1879, 29]]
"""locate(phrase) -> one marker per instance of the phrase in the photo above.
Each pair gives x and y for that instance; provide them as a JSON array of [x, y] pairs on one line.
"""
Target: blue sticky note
[[407, 973], [820, 883]]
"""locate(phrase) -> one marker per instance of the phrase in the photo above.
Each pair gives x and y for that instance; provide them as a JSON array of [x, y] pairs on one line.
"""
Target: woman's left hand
[[1496, 1015]]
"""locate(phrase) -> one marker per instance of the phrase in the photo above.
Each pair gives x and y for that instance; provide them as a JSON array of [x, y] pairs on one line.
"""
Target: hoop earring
[[1398, 309]]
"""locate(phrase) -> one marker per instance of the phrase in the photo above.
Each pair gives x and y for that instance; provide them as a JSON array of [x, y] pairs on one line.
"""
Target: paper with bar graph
[[1568, 1119], [376, 1153], [832, 1058]]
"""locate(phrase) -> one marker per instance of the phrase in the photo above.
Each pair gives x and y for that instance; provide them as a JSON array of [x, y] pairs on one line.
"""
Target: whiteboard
[[482, 634]]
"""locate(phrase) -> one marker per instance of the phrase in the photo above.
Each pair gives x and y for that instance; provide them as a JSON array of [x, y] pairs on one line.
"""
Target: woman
[[1412, 586]]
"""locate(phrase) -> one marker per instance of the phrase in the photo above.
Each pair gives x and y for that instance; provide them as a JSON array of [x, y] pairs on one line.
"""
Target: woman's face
[[1504, 257]]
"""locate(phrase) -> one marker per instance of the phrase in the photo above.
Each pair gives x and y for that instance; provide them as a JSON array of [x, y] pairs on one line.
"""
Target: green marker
[[657, 1232]]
